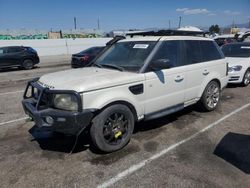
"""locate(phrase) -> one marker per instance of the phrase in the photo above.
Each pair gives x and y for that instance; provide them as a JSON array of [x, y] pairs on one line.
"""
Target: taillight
[[84, 58]]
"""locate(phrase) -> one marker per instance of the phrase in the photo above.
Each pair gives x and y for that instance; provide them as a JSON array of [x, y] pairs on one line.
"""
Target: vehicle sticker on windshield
[[245, 47], [141, 46]]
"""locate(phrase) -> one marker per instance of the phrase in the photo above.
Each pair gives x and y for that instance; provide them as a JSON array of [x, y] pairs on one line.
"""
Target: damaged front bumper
[[37, 106]]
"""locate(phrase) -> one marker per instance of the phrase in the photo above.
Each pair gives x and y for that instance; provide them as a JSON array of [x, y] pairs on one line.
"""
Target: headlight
[[66, 102], [234, 68]]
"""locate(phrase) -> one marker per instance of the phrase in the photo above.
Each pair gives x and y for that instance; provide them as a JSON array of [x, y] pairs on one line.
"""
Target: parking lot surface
[[175, 151]]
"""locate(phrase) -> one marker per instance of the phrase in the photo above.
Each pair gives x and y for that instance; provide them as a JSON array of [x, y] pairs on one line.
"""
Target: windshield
[[129, 56], [236, 50]]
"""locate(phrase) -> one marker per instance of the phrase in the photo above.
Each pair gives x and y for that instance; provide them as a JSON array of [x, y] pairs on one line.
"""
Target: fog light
[[49, 120]]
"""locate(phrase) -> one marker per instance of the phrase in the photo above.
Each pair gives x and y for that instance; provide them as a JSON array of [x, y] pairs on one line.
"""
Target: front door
[[165, 88]]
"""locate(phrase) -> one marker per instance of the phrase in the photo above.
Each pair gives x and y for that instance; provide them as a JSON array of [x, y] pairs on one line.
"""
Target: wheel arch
[[27, 58], [206, 83], [123, 102]]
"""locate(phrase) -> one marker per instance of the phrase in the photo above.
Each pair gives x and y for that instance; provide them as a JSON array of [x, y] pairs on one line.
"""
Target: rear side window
[[171, 51], [236, 50], [31, 49], [210, 51], [14, 49], [192, 51]]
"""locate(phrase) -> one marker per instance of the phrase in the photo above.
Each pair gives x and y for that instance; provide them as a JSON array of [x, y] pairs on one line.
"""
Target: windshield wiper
[[113, 66]]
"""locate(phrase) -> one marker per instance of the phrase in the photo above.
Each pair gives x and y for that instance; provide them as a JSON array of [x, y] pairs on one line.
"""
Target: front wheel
[[246, 78], [27, 64], [211, 96], [112, 129]]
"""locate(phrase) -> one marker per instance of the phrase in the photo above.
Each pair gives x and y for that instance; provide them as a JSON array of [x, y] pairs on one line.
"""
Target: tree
[[214, 29]]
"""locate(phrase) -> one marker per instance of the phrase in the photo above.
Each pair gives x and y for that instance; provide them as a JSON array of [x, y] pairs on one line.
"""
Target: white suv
[[133, 79]]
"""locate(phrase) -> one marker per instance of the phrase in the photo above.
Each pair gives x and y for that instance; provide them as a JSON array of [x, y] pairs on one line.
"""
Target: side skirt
[[164, 112]]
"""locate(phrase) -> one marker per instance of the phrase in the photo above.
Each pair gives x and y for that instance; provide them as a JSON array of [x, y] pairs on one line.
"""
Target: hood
[[87, 79], [243, 61]]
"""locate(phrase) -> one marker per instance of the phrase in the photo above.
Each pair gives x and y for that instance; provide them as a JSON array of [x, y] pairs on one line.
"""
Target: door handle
[[178, 78], [205, 72]]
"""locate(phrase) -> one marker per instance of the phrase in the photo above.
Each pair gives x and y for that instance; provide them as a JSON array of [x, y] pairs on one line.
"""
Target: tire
[[246, 78], [28, 64], [210, 97], [112, 129]]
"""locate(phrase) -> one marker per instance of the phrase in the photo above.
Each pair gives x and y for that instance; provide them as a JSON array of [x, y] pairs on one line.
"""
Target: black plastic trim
[[33, 84], [164, 112], [137, 89]]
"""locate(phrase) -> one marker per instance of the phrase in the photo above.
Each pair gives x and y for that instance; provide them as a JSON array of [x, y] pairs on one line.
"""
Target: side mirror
[[160, 64]]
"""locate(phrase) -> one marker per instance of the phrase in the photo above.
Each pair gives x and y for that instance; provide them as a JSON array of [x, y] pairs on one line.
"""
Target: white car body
[[168, 89]]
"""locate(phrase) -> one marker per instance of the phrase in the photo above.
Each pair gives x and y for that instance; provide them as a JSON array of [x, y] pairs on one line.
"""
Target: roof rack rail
[[168, 32], [114, 40]]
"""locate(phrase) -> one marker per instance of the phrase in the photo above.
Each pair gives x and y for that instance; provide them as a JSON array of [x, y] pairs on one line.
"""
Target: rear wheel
[[246, 78], [27, 64], [112, 129], [211, 96]]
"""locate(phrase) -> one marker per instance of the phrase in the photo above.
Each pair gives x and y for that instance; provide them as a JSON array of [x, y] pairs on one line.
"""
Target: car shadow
[[234, 85], [163, 121], [53, 141], [13, 69], [235, 149]]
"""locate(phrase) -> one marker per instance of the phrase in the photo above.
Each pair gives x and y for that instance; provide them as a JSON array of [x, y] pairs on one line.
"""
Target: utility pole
[[98, 24], [75, 22], [180, 22], [169, 24]]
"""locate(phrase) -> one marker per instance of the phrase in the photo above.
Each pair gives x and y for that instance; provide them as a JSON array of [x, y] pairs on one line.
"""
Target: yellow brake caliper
[[119, 133]]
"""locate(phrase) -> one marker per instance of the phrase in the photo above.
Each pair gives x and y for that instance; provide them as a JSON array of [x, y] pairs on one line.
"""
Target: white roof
[[224, 36], [189, 28]]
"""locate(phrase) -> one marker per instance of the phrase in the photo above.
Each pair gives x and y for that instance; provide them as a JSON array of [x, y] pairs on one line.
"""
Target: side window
[[193, 52], [210, 51], [170, 52], [14, 49], [1, 51]]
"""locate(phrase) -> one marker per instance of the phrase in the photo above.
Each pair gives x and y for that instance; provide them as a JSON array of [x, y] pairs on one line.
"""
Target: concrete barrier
[[57, 46]]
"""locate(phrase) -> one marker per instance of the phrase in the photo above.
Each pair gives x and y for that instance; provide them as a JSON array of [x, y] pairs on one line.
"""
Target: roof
[[189, 28], [162, 38], [224, 36], [168, 32]]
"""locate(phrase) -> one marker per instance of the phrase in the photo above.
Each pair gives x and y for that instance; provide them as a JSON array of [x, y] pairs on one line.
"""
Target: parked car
[[238, 56], [18, 56], [83, 58], [224, 39], [135, 79]]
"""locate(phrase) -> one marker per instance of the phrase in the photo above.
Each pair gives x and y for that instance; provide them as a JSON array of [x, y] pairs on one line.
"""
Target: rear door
[[202, 60], [193, 65]]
